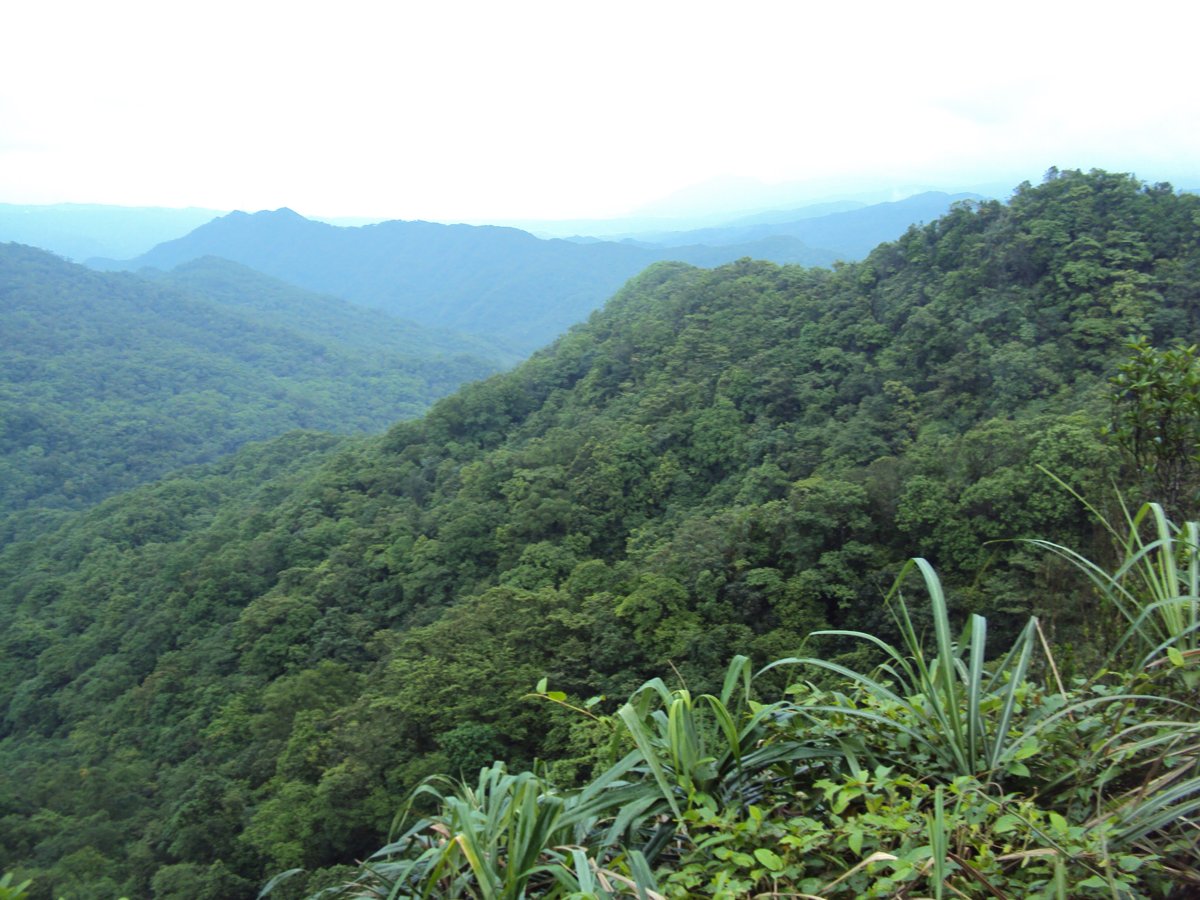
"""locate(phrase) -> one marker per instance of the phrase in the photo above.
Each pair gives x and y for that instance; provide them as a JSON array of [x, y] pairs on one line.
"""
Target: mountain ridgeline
[[502, 284], [849, 234], [497, 283], [244, 668]]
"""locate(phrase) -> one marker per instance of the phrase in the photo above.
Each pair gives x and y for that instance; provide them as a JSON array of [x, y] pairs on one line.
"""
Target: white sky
[[513, 109]]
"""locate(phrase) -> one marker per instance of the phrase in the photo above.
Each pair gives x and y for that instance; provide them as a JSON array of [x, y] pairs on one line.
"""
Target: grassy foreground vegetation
[[245, 669], [935, 773]]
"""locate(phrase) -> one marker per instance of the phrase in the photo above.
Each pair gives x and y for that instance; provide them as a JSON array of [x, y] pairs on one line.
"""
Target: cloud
[[484, 110]]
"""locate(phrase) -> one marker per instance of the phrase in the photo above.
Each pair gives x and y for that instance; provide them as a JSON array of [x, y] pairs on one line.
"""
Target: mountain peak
[[284, 212]]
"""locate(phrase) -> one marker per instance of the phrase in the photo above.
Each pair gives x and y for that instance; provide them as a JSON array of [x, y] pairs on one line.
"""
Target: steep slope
[[501, 284], [107, 381], [252, 673]]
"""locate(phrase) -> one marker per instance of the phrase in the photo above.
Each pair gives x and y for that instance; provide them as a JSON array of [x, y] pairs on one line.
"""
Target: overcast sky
[[473, 111]]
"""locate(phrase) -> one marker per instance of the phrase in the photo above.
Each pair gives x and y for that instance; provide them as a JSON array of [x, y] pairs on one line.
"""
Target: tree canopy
[[245, 667], [109, 381]]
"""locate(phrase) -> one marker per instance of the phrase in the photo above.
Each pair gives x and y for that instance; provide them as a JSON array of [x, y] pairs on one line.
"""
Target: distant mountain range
[[79, 231], [500, 283], [503, 284], [848, 232]]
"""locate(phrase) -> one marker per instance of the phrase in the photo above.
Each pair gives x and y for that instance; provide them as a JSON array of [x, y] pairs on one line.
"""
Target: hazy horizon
[[529, 111]]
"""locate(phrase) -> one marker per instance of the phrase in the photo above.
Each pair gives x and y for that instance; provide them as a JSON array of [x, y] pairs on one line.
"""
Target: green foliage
[[245, 667], [1087, 791], [882, 834], [1156, 588], [11, 891], [1156, 420], [108, 381], [716, 760], [505, 837], [947, 711]]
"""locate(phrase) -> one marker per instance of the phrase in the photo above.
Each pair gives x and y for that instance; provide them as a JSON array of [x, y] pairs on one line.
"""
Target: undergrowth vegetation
[[947, 768]]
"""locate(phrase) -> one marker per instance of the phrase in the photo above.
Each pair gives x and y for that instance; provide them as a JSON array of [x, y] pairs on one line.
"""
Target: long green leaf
[[644, 742]]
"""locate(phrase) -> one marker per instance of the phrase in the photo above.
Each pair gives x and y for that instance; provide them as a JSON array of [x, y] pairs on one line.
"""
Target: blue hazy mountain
[[505, 285], [500, 283], [79, 231], [848, 233]]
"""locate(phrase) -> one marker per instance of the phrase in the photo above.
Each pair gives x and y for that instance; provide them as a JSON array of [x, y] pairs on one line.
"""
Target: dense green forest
[[108, 381], [246, 668]]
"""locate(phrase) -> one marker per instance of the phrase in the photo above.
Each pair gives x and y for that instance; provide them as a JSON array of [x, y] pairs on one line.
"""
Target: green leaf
[[1007, 823], [267, 889], [1059, 823], [1027, 749], [1176, 657], [769, 858]]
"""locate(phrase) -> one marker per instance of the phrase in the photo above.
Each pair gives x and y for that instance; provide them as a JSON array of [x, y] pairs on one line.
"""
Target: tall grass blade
[[643, 878], [1002, 746], [739, 669], [645, 744], [976, 729], [266, 891], [938, 842]]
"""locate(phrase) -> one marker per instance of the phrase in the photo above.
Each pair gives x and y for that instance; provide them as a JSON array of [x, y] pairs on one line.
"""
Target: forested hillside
[[246, 668], [321, 316], [108, 381]]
